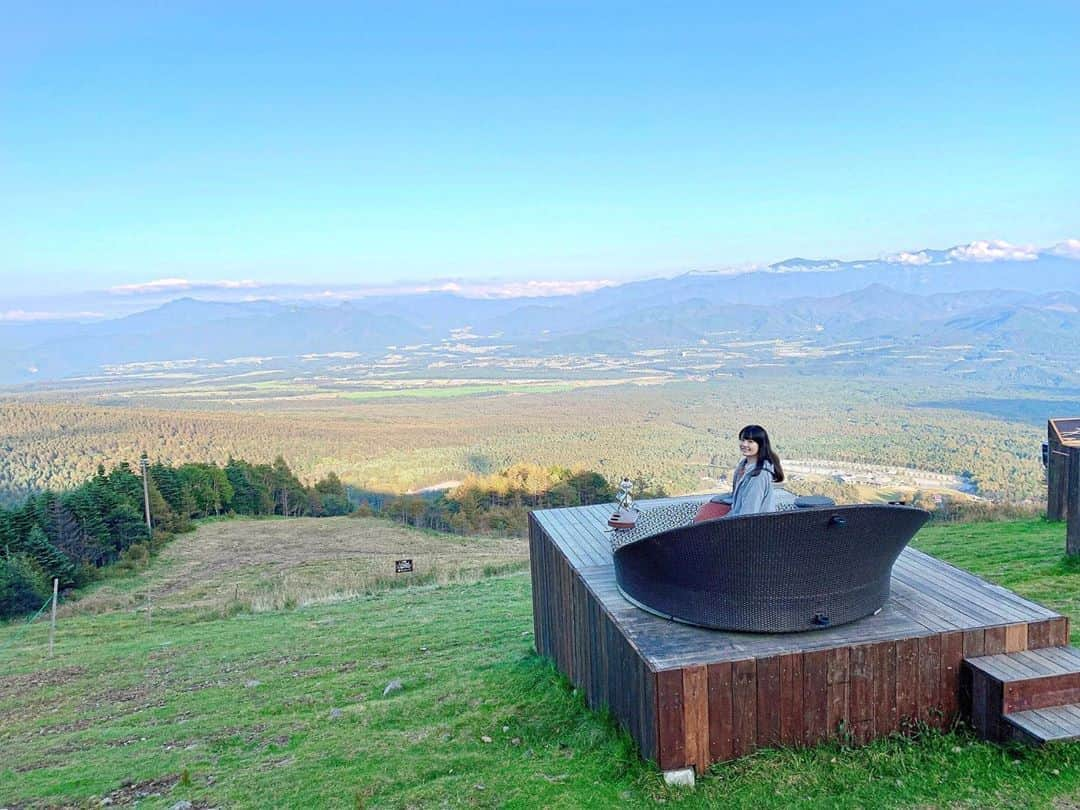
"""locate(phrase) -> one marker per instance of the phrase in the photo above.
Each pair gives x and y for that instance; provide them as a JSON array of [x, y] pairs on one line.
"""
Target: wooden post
[[1072, 505], [149, 609], [52, 625]]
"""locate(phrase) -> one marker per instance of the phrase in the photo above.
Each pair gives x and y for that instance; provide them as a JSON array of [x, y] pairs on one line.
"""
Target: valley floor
[[224, 701]]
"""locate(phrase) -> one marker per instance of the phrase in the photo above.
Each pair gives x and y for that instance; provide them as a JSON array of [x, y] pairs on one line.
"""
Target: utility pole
[[144, 465], [52, 625]]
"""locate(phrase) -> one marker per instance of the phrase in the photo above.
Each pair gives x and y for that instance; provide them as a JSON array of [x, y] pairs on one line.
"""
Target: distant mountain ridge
[[934, 299]]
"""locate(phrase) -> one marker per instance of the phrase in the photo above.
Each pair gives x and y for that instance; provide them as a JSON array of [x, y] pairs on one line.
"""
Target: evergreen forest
[[70, 535]]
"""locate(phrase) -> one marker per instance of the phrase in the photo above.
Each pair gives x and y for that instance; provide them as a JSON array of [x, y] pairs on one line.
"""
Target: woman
[[752, 483], [755, 474]]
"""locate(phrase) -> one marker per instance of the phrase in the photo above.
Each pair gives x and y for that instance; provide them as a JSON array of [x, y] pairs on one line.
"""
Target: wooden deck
[[691, 696]]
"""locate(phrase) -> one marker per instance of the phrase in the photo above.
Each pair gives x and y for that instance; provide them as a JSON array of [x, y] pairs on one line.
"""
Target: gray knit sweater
[[752, 493]]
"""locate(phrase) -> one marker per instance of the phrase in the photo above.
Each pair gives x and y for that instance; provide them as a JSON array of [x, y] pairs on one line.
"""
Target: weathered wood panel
[[861, 702], [791, 700], [721, 718], [816, 697], [1039, 693], [951, 661], [768, 702], [929, 669], [886, 718], [1072, 503], [696, 715], [672, 726]]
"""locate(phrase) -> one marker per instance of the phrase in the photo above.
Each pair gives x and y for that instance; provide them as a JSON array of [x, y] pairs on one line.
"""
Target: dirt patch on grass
[[128, 794], [16, 685], [133, 792], [272, 564]]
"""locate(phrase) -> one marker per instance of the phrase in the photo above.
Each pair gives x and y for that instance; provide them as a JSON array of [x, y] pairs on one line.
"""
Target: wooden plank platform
[[691, 696]]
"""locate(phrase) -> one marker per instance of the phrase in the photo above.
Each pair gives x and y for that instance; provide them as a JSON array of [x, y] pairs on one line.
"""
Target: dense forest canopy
[[679, 434]]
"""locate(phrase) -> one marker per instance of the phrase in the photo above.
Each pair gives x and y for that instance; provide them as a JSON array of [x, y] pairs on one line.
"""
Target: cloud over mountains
[[1070, 249], [995, 250], [181, 285], [1009, 262]]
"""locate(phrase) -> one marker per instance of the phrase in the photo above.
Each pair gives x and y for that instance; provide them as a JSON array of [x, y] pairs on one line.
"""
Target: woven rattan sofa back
[[771, 573]]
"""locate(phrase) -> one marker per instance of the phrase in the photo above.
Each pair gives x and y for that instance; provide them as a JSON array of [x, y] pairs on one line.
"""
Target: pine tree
[[7, 530], [169, 485], [126, 484], [22, 586], [251, 491], [23, 520], [161, 514], [52, 561], [332, 496], [91, 530], [70, 537]]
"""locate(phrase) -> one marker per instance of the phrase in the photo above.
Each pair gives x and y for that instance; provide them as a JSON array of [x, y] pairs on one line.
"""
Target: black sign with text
[[402, 566]]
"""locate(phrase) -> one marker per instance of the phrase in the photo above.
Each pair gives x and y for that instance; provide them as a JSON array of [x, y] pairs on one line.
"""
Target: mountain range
[[928, 299]]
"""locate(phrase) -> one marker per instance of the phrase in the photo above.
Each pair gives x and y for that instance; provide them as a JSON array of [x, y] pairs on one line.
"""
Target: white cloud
[[922, 257], [810, 267], [169, 285], [466, 289], [532, 289], [460, 287], [994, 250], [1070, 249], [24, 316]]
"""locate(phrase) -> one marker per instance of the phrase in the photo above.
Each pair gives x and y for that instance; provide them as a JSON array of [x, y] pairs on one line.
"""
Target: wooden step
[[1015, 684], [1052, 724]]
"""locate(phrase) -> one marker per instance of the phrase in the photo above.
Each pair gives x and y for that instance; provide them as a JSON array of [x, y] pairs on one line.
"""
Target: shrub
[[23, 588], [135, 557]]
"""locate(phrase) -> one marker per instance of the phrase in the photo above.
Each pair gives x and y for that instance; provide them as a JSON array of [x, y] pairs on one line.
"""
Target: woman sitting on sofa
[[752, 483]]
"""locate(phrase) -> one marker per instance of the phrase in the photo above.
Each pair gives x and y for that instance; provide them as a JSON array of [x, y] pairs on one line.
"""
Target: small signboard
[[402, 566]]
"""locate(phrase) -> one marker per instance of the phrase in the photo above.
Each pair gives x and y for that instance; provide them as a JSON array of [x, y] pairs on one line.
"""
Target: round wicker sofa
[[777, 572]]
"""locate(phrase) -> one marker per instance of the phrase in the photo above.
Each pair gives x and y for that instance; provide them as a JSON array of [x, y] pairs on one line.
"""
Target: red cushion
[[710, 510]]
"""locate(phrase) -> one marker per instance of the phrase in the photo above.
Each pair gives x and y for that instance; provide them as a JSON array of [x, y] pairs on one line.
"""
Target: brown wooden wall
[[572, 627], [725, 710], [1062, 477]]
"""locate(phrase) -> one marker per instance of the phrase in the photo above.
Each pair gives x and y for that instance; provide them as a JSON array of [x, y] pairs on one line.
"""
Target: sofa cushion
[[655, 519]]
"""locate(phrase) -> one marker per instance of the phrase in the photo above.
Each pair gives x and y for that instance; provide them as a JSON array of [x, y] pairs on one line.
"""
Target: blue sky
[[374, 143]]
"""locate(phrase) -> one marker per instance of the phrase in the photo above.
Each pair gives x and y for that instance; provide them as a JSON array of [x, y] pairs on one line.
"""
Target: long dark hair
[[756, 433]]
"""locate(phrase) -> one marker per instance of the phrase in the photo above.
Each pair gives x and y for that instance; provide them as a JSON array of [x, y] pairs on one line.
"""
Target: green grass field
[[446, 392], [285, 708]]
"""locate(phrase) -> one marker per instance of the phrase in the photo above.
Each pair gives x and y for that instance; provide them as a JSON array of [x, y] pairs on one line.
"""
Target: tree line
[[500, 502], [70, 535]]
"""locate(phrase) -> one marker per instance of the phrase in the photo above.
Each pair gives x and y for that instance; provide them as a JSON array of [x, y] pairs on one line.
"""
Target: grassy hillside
[[226, 707], [231, 566]]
